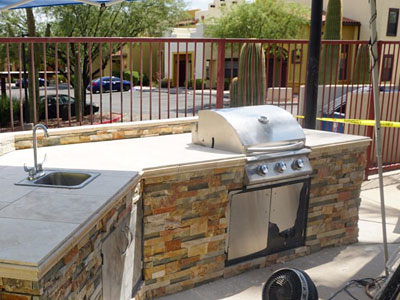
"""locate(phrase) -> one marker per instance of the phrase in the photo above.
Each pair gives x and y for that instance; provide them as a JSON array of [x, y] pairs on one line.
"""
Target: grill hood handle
[[277, 148]]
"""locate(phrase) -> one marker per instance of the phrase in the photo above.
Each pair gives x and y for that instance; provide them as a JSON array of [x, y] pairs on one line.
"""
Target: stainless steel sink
[[62, 179]]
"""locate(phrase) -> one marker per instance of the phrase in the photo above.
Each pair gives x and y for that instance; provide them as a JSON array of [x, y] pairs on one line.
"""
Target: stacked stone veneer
[[185, 223], [6, 143], [96, 133], [335, 195], [77, 275], [185, 228]]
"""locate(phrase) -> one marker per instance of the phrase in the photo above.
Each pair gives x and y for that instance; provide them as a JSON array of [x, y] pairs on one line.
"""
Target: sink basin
[[62, 179]]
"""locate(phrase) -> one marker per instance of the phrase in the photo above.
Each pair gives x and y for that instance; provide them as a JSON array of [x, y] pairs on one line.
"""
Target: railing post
[[221, 74]]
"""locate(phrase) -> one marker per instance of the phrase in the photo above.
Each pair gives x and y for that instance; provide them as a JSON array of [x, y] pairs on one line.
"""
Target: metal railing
[[171, 77]]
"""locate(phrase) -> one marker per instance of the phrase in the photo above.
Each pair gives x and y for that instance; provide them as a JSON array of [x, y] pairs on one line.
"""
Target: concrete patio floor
[[331, 268]]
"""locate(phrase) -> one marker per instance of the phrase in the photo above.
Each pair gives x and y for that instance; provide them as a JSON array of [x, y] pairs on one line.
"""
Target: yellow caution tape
[[358, 122]]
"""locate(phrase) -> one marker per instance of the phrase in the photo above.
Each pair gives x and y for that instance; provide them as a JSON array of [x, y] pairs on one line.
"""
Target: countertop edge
[[26, 271], [238, 161], [49, 260], [358, 143]]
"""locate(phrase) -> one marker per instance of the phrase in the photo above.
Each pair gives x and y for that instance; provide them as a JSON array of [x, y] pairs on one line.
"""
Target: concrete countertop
[[54, 216], [44, 219]]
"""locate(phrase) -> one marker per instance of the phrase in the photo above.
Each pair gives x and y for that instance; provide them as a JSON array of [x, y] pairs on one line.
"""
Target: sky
[[202, 4]]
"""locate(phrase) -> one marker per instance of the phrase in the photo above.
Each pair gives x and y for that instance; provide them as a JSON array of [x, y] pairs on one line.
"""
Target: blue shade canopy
[[14, 4]]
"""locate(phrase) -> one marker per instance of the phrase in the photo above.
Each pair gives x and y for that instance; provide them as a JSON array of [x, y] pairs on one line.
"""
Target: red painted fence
[[170, 78]]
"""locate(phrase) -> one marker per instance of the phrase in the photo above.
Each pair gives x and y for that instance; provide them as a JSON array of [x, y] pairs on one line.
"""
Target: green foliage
[[251, 82], [145, 80], [227, 83], [263, 19], [164, 83], [5, 110], [198, 84], [330, 53], [362, 70], [127, 76]]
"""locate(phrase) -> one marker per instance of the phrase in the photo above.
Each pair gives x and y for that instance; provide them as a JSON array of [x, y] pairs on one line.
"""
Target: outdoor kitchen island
[[184, 189]]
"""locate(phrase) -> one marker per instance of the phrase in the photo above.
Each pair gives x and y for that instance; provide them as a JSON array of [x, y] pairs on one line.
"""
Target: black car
[[63, 101]]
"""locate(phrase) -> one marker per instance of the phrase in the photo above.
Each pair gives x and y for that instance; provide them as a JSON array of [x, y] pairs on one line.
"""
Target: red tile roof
[[345, 21]]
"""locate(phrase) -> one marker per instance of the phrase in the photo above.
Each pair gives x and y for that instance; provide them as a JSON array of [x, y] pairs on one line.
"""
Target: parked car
[[336, 108], [41, 82], [63, 106], [107, 85]]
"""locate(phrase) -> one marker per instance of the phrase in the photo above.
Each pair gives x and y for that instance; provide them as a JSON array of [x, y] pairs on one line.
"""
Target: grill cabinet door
[[248, 225], [284, 205], [118, 260]]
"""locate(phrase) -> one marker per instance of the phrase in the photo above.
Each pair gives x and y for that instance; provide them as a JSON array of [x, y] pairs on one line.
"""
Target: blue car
[[41, 82], [107, 85]]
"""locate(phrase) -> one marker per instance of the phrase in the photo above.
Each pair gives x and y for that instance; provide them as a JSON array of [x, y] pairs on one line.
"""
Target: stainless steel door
[[285, 202], [248, 223], [118, 260]]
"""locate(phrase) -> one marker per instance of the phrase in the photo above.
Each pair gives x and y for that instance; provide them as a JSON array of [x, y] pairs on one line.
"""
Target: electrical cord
[[368, 283]]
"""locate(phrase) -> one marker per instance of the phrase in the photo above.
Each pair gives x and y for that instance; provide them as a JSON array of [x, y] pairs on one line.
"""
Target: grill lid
[[249, 129]]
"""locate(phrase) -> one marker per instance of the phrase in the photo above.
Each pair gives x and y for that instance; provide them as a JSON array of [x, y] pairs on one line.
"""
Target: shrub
[[146, 80], [198, 84], [164, 82], [5, 110], [127, 76], [227, 83]]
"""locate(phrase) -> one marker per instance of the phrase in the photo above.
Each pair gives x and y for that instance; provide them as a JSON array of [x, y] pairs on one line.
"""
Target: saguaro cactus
[[250, 86], [333, 31], [362, 70]]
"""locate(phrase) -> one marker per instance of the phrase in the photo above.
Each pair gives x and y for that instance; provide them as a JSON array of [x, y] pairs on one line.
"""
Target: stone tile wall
[[185, 228], [335, 196], [6, 143], [86, 134], [185, 242], [78, 274]]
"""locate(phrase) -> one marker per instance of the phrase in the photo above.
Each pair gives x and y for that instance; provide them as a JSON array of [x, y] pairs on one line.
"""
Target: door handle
[[129, 237]]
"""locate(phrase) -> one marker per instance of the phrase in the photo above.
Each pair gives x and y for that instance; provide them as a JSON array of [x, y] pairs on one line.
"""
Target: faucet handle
[[31, 172], [40, 166], [27, 169]]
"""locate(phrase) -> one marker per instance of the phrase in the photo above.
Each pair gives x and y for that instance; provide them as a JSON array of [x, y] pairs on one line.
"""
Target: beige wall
[[216, 8], [359, 10]]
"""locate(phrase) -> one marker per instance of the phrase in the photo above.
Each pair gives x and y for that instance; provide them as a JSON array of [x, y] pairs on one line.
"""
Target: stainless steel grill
[[270, 137], [269, 213]]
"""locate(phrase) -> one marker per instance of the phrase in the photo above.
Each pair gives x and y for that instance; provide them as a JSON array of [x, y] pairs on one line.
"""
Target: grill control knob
[[262, 170], [280, 167], [298, 164]]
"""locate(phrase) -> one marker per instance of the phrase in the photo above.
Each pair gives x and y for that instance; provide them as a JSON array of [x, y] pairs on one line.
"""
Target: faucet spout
[[37, 169]]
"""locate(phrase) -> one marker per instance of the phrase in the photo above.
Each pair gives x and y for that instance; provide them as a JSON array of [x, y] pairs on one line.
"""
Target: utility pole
[[314, 49]]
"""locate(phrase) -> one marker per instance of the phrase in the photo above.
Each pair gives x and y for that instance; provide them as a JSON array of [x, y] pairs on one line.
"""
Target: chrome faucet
[[37, 170]]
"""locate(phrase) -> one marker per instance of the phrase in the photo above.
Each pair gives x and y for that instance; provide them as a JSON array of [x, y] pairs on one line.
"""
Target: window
[[296, 56], [393, 20], [212, 6], [229, 67], [387, 67]]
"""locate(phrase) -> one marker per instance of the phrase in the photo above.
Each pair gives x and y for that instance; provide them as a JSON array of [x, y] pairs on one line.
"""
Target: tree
[[128, 19], [262, 19], [333, 31]]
